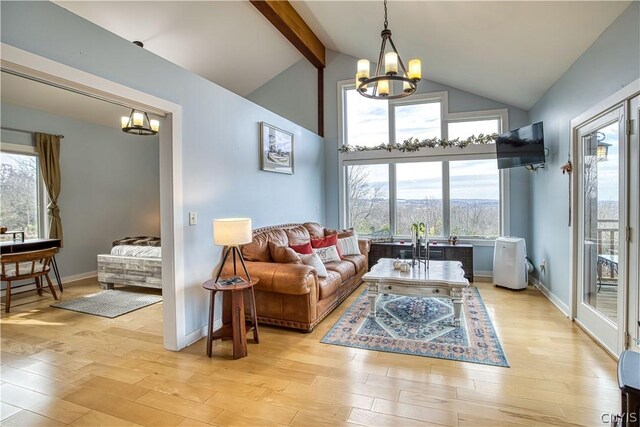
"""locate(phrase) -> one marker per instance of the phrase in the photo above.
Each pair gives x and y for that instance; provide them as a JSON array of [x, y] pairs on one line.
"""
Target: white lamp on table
[[231, 233]]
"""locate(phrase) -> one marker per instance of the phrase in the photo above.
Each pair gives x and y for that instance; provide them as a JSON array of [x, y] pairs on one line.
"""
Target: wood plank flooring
[[59, 367]]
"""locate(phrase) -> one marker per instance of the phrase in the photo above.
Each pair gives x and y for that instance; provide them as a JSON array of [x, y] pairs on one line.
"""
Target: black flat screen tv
[[521, 147]]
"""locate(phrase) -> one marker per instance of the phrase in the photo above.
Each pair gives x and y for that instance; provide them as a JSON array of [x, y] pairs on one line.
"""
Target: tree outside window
[[19, 193]]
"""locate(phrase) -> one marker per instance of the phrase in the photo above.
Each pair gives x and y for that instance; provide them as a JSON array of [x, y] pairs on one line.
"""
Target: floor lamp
[[230, 233]]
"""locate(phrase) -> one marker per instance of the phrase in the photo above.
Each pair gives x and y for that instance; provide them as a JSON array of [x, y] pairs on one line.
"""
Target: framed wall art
[[276, 149]]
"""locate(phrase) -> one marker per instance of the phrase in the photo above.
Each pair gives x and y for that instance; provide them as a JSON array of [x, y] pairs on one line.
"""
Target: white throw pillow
[[328, 254], [314, 261], [349, 246]]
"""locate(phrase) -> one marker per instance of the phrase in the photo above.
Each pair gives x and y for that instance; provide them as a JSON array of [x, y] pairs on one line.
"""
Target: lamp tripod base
[[233, 250]]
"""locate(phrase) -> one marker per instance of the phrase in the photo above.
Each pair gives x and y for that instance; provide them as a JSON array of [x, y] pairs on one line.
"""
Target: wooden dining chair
[[24, 266]]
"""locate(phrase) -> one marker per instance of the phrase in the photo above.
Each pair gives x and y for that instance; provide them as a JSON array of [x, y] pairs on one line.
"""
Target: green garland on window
[[414, 144]]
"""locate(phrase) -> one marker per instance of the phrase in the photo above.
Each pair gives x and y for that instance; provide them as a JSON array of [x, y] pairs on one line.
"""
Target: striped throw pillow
[[349, 246]]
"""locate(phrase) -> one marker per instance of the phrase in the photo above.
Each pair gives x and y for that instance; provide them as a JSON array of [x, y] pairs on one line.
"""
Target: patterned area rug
[[111, 303], [422, 327]]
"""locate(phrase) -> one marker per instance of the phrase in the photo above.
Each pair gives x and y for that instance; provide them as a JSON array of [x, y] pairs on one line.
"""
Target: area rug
[[421, 327], [111, 303]]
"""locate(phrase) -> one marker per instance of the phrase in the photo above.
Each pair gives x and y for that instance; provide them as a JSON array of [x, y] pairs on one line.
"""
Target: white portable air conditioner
[[509, 263]]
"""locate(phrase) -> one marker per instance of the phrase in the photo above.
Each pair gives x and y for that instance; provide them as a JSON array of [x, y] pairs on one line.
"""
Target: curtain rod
[[24, 131]]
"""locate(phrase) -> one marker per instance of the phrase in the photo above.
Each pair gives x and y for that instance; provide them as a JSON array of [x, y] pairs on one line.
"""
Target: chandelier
[[394, 71], [138, 123]]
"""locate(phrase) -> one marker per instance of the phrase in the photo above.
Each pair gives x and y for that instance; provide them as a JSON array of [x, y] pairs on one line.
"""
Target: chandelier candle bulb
[[383, 88], [363, 70], [406, 86], [391, 63], [155, 125], [138, 119], [415, 69], [124, 121]]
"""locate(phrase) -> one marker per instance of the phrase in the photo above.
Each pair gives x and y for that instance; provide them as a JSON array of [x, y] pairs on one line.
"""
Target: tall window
[[368, 189], [451, 196], [417, 120], [474, 206], [367, 121], [465, 128], [20, 207], [419, 197]]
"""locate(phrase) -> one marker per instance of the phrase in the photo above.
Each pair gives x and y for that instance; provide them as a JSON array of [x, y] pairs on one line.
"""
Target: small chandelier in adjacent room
[[380, 86], [138, 123]]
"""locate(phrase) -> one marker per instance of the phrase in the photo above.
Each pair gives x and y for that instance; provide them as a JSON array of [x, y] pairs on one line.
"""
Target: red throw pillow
[[331, 240], [304, 248]]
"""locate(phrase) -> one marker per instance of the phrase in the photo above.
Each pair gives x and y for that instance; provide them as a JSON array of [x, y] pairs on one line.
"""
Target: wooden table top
[[211, 285], [439, 272]]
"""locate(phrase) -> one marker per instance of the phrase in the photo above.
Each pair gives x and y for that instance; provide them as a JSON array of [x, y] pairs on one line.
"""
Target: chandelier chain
[[386, 22]]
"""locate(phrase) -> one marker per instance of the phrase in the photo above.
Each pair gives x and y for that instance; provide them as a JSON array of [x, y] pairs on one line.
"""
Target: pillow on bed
[[137, 251]]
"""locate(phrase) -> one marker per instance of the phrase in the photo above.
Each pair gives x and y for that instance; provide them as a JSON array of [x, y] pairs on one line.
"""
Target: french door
[[634, 218], [603, 195]]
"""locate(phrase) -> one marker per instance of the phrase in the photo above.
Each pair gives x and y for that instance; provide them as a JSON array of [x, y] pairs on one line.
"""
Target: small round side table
[[234, 325]]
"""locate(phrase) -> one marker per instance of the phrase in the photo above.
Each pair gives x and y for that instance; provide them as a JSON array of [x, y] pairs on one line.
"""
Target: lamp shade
[[232, 231]]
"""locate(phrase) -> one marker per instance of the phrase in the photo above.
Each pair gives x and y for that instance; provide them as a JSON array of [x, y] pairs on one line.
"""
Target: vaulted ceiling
[[508, 51]]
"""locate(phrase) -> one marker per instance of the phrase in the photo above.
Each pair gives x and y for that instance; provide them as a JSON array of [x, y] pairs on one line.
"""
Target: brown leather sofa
[[292, 295]]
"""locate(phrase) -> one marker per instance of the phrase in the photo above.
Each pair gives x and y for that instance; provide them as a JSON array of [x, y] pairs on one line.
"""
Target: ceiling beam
[[285, 18]]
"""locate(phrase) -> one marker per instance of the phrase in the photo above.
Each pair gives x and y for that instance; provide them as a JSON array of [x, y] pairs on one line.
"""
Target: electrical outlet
[[543, 266], [193, 218]]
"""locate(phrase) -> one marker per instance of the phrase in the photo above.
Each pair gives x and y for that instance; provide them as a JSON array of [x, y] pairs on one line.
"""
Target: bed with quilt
[[135, 261]]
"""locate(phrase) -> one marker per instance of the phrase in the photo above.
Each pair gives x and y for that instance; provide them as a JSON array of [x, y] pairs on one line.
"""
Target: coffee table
[[443, 279]]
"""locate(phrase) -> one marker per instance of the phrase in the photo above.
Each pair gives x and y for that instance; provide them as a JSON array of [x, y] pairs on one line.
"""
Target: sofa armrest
[[364, 245], [292, 279]]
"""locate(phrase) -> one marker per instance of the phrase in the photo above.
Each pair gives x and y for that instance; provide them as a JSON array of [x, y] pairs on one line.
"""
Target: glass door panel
[[601, 176], [602, 181]]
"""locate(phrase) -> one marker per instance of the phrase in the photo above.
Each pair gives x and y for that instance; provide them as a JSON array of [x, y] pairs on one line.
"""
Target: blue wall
[[221, 175], [611, 63]]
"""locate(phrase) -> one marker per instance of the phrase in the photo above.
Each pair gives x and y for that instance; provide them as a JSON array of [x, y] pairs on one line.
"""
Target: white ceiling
[[510, 51], [39, 96], [227, 42]]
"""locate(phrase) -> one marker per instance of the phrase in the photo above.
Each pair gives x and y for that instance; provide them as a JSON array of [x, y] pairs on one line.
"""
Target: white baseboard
[[488, 275], [79, 276], [550, 296], [198, 334]]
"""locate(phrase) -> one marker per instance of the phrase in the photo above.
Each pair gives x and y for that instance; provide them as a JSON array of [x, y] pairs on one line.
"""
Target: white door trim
[[171, 203], [627, 92]]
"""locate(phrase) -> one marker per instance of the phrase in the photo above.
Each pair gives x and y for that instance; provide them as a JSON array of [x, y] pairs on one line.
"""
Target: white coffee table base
[[444, 279]]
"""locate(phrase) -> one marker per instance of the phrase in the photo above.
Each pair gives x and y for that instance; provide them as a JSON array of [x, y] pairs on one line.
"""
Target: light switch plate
[[193, 218]]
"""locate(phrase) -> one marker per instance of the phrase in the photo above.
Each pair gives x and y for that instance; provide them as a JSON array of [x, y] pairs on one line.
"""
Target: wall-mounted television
[[521, 147]]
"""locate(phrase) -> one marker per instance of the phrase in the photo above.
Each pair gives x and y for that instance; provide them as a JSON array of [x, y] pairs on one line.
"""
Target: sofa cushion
[[346, 269], [329, 285], [315, 230], [283, 254], [325, 242], [359, 261], [258, 249], [341, 233], [349, 246], [297, 235], [328, 254], [313, 260], [304, 248]]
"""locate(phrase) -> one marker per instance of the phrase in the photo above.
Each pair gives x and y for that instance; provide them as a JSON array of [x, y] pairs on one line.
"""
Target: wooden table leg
[[238, 325], [210, 327], [254, 316]]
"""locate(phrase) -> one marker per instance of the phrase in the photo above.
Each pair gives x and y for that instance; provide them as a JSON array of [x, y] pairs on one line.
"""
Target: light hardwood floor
[[60, 367]]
